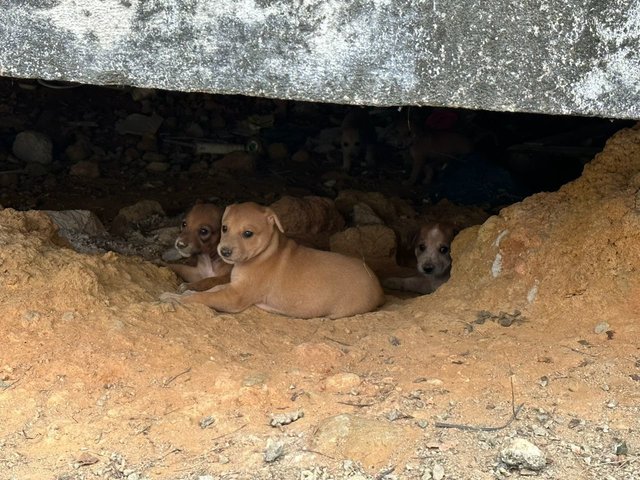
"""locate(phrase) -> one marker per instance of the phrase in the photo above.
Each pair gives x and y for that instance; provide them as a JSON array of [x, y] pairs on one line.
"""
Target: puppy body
[[433, 253], [199, 237], [276, 274], [358, 139], [432, 149]]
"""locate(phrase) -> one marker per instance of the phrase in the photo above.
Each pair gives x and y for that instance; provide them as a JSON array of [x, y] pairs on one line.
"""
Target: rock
[[274, 450], [132, 214], [522, 453], [437, 472], [36, 170], [278, 152], [381, 206], [280, 419], [194, 130], [137, 124], [148, 143], [77, 221], [85, 169], [206, 422], [342, 382], [363, 214], [33, 147], [157, 167], [375, 243], [301, 156], [235, 162], [78, 151], [601, 327], [371, 442], [310, 220]]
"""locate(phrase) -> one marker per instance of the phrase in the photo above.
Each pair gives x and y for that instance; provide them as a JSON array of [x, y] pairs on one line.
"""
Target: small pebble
[[601, 327], [207, 421], [437, 472]]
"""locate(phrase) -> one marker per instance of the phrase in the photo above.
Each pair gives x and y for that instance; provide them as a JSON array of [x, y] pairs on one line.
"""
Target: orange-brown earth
[[100, 380]]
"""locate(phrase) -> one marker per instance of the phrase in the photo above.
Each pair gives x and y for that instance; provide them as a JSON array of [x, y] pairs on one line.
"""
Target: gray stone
[[601, 327], [32, 147], [77, 221], [437, 472], [274, 450], [551, 56], [522, 453], [138, 124], [363, 214]]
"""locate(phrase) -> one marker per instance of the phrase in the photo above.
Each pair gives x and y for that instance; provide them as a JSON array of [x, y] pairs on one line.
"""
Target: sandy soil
[[100, 380]]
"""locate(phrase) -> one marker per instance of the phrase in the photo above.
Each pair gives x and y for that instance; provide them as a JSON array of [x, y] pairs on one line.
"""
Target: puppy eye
[[357, 144], [184, 224], [345, 144], [422, 247], [204, 231], [224, 229], [247, 234], [444, 249]]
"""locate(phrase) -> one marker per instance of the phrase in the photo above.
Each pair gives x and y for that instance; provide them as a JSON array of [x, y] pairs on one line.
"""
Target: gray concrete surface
[[556, 56]]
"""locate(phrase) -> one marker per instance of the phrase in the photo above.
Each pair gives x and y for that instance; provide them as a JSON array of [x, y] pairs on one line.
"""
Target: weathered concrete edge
[[554, 56]]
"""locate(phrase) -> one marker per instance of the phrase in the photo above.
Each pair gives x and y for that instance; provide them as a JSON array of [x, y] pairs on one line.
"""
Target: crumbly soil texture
[[536, 336]]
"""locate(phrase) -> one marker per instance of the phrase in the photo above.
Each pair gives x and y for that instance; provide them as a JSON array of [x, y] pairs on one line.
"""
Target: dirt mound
[[99, 380]]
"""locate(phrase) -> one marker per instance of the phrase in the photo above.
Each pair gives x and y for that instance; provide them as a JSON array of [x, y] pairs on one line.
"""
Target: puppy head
[[352, 144], [200, 230], [433, 248], [247, 230]]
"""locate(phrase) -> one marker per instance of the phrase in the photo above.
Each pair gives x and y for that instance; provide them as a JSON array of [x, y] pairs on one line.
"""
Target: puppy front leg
[[205, 284], [224, 298], [411, 284], [185, 272]]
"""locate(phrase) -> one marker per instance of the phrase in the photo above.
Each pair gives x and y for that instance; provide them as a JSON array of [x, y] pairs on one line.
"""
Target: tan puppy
[[199, 237], [276, 274], [432, 149], [433, 252], [358, 139]]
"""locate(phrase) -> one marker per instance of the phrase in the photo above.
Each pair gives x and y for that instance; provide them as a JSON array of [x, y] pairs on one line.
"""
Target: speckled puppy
[[433, 252]]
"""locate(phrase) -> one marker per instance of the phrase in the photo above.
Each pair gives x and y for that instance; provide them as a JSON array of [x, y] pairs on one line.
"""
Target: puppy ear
[[273, 219]]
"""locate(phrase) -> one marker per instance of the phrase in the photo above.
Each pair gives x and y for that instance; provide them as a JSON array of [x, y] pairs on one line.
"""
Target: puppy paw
[[393, 283], [183, 287], [170, 297]]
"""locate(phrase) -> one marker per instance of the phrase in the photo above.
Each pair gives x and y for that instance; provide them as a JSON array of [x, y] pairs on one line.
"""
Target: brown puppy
[[358, 139], [432, 149], [199, 237], [276, 274], [433, 252]]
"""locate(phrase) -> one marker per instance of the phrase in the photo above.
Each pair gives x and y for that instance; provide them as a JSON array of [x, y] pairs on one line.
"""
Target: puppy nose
[[225, 252], [180, 244], [427, 268]]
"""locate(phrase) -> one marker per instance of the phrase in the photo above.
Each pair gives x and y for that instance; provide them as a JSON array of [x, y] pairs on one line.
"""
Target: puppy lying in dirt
[[276, 274], [199, 237], [433, 252]]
